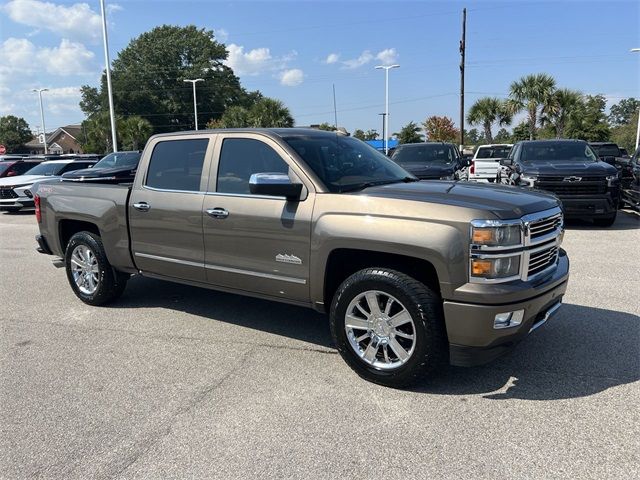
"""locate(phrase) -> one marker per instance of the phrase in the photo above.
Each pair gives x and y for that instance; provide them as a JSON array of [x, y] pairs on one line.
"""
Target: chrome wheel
[[380, 330], [85, 269]]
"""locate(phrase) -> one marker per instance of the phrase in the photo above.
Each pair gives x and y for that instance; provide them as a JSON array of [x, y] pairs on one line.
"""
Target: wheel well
[[344, 262], [68, 228]]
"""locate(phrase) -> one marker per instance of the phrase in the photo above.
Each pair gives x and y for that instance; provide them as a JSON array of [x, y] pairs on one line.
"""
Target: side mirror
[[274, 184], [506, 162]]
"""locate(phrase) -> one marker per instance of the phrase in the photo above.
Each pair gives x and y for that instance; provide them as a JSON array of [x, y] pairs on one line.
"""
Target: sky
[[296, 51]]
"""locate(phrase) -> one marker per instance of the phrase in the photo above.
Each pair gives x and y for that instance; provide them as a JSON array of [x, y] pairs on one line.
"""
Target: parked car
[[486, 161], [588, 187], [624, 153], [430, 160], [115, 167], [414, 274], [16, 192], [607, 151], [11, 166], [630, 181]]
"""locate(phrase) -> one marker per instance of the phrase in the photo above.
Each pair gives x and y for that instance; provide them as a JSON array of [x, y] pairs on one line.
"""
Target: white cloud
[[292, 77], [387, 56], [364, 58], [77, 21], [332, 58], [253, 62], [20, 56], [221, 34]]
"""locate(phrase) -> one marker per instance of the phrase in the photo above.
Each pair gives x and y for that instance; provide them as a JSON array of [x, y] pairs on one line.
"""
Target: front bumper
[[579, 206], [473, 340], [16, 203]]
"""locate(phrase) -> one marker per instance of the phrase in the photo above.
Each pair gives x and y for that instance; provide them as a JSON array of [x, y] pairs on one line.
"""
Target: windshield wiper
[[362, 186]]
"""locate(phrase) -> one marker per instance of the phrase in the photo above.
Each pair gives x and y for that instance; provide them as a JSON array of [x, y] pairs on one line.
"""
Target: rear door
[[252, 242], [165, 208]]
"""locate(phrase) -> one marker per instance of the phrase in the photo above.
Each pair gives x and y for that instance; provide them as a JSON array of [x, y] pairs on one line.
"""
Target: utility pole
[[637, 50], [335, 109], [384, 129], [44, 130], [195, 103], [462, 52], [386, 69], [112, 113]]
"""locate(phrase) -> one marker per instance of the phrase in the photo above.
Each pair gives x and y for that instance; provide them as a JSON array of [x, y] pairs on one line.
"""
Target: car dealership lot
[[174, 381]]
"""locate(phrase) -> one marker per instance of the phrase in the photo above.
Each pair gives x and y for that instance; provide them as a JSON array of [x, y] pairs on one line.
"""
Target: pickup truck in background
[[430, 160], [486, 162], [414, 275]]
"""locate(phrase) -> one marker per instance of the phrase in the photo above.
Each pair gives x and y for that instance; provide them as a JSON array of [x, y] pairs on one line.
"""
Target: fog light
[[508, 319]]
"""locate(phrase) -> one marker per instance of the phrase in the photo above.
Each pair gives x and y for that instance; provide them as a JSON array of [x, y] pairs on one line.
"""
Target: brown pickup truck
[[414, 274]]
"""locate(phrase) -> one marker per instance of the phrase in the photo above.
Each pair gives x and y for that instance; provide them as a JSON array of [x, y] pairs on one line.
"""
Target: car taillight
[[472, 168], [36, 202]]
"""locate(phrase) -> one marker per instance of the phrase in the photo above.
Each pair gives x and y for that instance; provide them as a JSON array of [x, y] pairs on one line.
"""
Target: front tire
[[389, 327], [91, 276]]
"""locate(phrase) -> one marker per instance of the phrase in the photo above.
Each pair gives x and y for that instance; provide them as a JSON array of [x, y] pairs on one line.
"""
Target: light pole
[[44, 130], [112, 113], [386, 69], [636, 50], [195, 103]]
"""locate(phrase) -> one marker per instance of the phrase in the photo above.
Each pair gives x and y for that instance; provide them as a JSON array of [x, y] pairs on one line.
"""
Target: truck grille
[[7, 193], [542, 259], [586, 186], [545, 226]]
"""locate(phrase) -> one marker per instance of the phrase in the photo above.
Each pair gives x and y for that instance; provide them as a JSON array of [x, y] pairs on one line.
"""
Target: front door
[[165, 208], [256, 243]]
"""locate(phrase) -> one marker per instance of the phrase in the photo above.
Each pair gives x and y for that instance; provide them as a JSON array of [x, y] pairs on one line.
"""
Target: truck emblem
[[284, 258], [572, 179]]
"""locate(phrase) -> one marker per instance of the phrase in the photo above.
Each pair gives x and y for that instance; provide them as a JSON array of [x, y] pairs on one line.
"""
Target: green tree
[[556, 113], [473, 137], [270, 113], [520, 132], [441, 129], [327, 127], [359, 134], [148, 79], [234, 117], [531, 93], [96, 133], [410, 133], [503, 136], [371, 134], [14, 132], [486, 112], [625, 135], [622, 112], [588, 120], [134, 132]]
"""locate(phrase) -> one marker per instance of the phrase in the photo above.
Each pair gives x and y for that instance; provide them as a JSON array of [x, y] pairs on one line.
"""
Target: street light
[[195, 104], [386, 69], [44, 130], [636, 50], [112, 113]]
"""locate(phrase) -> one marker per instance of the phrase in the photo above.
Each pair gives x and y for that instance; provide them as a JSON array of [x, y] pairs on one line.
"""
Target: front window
[[177, 165], [118, 160], [427, 153], [47, 169], [549, 152], [345, 163]]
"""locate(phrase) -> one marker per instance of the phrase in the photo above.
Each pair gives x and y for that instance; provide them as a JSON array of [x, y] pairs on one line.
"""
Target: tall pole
[[44, 130], [384, 126], [112, 113], [386, 69], [335, 109], [462, 52], [636, 50], [195, 102]]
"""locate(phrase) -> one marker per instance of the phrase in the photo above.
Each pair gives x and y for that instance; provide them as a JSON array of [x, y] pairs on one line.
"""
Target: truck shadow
[[580, 352], [626, 220]]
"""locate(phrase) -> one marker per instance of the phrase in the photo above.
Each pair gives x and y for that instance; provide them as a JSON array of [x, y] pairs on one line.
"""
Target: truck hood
[[22, 180], [503, 201], [429, 170], [557, 168]]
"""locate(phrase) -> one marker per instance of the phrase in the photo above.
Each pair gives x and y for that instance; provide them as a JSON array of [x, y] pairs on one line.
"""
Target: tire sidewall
[[105, 274]]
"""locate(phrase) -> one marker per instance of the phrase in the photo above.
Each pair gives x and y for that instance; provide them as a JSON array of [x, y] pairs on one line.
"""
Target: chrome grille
[[7, 193], [542, 259], [545, 226]]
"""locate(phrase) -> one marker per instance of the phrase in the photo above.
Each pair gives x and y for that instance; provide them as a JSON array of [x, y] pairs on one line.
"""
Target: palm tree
[[410, 133], [487, 111], [531, 93], [556, 113], [134, 131], [270, 113]]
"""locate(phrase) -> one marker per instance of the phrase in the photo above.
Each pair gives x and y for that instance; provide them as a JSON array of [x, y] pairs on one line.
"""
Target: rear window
[[177, 165], [493, 152], [607, 150]]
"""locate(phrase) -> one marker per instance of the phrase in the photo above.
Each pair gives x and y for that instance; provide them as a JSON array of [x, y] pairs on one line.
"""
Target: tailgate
[[486, 167]]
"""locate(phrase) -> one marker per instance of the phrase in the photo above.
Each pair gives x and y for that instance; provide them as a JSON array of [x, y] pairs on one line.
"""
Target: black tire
[[111, 283], [430, 353], [605, 222]]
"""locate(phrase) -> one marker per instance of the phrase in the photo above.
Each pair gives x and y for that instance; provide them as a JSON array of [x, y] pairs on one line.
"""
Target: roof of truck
[[280, 132]]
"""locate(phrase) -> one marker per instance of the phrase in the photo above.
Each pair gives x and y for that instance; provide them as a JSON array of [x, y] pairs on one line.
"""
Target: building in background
[[62, 140]]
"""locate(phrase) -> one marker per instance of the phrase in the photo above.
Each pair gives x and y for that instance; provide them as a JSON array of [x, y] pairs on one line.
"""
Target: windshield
[[607, 150], [119, 159], [345, 163], [549, 152], [427, 153], [493, 152], [4, 166], [47, 169]]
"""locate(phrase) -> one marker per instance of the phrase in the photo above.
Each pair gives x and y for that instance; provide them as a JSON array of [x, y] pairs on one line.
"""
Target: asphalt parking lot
[[181, 382]]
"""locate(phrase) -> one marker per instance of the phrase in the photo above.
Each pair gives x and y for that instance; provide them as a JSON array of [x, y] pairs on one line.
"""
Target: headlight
[[482, 233], [611, 179], [493, 268]]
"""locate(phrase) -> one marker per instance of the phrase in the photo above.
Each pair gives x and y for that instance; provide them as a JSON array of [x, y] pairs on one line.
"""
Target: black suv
[[117, 167], [588, 187], [430, 160]]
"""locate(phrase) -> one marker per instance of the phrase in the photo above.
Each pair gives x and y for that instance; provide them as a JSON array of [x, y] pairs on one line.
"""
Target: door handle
[[142, 206], [217, 212]]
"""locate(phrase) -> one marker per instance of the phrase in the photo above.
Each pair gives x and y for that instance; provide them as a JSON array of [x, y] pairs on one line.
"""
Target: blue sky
[[295, 51]]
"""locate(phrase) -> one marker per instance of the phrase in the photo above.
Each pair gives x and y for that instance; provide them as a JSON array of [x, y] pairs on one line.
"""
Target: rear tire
[[91, 276], [606, 222], [404, 354]]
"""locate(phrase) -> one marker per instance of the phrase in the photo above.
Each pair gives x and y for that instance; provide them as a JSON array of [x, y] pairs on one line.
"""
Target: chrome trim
[[142, 206], [217, 212], [495, 223], [154, 189], [269, 276], [548, 314], [246, 195]]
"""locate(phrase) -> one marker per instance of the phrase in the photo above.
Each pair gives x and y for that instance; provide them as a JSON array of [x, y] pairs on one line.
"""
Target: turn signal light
[[481, 268], [482, 236]]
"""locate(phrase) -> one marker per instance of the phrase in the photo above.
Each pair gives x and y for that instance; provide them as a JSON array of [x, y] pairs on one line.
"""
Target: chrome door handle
[[142, 206], [217, 212]]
